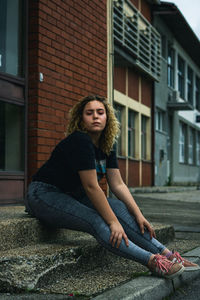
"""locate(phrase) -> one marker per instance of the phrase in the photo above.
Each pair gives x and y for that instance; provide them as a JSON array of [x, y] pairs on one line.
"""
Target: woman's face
[[94, 117]]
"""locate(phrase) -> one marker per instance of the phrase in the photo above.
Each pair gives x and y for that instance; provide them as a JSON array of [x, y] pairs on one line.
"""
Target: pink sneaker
[[162, 267], [189, 266]]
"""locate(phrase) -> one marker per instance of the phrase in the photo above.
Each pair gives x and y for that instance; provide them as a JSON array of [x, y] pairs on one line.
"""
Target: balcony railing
[[134, 35], [176, 103]]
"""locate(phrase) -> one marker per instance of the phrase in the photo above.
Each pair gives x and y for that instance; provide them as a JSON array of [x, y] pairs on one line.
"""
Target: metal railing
[[137, 37]]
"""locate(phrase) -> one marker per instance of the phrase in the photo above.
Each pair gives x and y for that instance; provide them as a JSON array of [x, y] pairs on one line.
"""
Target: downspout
[[110, 61], [110, 53], [153, 136]]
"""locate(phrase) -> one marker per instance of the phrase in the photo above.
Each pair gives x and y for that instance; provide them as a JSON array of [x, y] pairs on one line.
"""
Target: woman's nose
[[95, 115]]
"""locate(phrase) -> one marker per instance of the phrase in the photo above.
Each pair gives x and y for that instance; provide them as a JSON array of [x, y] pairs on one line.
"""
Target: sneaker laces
[[163, 263], [178, 257]]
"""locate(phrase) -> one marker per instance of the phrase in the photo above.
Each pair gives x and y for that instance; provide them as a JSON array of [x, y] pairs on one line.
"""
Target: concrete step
[[33, 267], [18, 229], [33, 257]]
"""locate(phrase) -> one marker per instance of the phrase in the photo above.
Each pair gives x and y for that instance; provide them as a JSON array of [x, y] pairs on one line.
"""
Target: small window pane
[[11, 137], [197, 93], [11, 20], [160, 120], [118, 111], [190, 85], [170, 67], [144, 137], [131, 133], [181, 77]]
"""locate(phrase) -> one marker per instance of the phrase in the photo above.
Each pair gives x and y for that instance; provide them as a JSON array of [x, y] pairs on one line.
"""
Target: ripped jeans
[[57, 209]]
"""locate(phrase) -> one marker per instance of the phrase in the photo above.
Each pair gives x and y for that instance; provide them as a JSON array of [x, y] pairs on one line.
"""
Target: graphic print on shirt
[[100, 168]]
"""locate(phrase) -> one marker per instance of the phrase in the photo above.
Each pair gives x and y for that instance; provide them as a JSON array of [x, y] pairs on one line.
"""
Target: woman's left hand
[[144, 224]]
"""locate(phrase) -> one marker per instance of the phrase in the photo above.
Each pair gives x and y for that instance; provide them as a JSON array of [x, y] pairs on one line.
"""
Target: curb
[[149, 287]]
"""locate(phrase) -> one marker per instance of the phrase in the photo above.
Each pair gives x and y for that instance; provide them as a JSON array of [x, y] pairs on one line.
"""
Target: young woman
[[65, 192]]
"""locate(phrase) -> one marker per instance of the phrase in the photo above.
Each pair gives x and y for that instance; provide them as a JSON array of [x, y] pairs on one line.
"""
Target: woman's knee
[[117, 205]]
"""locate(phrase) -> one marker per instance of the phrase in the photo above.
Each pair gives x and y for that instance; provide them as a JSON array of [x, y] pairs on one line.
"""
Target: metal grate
[[137, 36]]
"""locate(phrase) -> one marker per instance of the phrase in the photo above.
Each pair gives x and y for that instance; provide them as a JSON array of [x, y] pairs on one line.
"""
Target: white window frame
[[160, 120]]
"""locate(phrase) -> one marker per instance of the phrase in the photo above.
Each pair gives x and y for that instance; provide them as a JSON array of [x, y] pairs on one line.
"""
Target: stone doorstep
[[32, 267], [20, 232], [17, 229], [64, 254]]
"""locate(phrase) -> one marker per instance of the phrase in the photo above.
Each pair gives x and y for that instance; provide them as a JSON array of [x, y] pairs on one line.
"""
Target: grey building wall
[[169, 170]]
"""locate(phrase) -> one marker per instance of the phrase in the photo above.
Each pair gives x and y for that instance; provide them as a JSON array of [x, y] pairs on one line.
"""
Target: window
[[160, 120], [197, 93], [144, 137], [11, 137], [170, 67], [182, 143], [119, 110], [131, 133], [198, 149], [11, 37], [190, 85], [191, 146], [181, 77]]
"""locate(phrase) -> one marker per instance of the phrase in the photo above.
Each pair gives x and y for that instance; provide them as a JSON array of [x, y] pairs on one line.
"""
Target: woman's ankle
[[150, 260], [167, 253]]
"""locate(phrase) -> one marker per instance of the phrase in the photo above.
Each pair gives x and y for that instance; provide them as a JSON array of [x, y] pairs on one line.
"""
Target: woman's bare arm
[[121, 191], [100, 202]]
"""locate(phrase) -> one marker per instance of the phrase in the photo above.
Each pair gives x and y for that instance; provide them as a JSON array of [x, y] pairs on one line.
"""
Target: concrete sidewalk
[[150, 287]]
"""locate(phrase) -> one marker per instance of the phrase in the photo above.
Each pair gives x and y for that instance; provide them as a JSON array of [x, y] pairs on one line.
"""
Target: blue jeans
[[57, 209]]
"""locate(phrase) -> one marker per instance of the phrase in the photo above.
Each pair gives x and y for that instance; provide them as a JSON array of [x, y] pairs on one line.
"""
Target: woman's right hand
[[117, 234]]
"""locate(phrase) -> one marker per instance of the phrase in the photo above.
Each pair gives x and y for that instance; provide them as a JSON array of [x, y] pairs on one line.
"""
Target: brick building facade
[[134, 75], [68, 48], [65, 54]]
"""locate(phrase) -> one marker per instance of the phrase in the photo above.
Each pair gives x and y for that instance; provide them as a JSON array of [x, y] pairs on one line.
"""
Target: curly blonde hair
[[111, 130]]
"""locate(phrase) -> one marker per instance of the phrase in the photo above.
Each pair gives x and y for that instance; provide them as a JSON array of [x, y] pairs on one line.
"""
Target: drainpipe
[[153, 136], [110, 53]]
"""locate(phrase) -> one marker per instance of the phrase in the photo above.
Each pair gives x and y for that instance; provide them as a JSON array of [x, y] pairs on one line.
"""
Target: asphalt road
[[180, 209]]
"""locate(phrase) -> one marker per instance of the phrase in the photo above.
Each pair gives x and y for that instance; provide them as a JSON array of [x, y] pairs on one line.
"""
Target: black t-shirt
[[74, 153]]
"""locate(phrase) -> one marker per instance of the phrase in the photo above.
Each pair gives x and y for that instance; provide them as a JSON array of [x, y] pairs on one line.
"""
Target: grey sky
[[190, 9]]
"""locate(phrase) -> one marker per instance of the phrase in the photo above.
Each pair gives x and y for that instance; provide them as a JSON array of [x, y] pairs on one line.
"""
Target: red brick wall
[[147, 87], [68, 44], [133, 173], [146, 173], [120, 79], [122, 167], [133, 84], [146, 10], [135, 3]]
